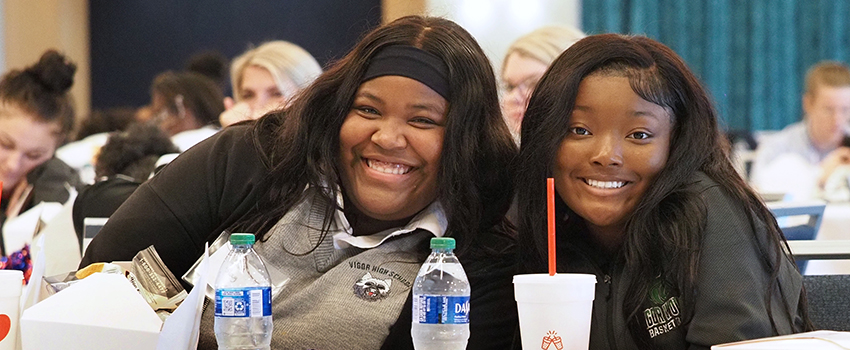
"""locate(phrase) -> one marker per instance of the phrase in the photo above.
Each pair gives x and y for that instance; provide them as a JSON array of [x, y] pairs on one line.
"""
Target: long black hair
[[663, 233], [476, 165]]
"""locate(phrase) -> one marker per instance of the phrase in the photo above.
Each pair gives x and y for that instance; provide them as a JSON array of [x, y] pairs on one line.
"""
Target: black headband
[[413, 63]]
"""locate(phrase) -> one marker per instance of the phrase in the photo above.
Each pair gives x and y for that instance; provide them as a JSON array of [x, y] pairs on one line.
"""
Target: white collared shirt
[[432, 219]]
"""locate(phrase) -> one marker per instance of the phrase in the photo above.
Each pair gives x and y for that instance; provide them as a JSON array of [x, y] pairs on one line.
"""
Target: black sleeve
[[49, 180], [730, 302], [493, 312], [100, 200], [190, 201]]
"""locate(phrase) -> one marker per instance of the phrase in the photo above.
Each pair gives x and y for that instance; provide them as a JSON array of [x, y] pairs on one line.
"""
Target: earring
[[181, 110]]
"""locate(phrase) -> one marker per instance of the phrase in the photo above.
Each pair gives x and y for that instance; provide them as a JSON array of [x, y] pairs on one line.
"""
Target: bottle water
[[440, 300], [243, 307]]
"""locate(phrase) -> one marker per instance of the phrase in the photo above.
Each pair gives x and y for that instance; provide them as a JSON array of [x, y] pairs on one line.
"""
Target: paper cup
[[10, 303], [555, 311]]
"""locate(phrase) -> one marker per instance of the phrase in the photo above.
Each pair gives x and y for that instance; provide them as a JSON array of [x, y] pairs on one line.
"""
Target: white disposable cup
[[10, 303], [554, 311]]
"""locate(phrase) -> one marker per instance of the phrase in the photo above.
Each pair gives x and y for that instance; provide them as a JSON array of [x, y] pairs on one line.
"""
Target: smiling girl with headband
[[399, 141]]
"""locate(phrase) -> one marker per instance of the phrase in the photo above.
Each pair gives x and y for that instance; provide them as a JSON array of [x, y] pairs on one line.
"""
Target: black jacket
[[729, 302], [49, 181]]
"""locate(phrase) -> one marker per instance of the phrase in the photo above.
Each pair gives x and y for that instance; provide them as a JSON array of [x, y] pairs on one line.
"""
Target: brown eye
[[423, 121], [34, 156], [367, 111], [579, 131], [640, 135]]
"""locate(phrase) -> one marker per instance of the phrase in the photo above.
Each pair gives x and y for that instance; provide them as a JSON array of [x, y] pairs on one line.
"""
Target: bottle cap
[[242, 238], [442, 243]]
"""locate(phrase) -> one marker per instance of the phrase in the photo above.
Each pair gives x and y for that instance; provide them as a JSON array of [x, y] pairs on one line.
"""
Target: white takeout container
[[103, 311]]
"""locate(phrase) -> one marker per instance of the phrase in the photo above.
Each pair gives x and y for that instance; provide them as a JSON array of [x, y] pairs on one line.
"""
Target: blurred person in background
[[267, 78], [105, 121], [91, 136], [36, 116], [123, 163], [186, 106], [211, 64], [525, 62], [800, 158]]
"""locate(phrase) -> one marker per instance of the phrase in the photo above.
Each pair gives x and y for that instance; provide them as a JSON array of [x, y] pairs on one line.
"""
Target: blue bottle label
[[440, 309], [243, 302]]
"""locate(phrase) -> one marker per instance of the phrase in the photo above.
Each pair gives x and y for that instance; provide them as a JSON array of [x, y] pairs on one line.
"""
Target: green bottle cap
[[242, 238], [442, 243]]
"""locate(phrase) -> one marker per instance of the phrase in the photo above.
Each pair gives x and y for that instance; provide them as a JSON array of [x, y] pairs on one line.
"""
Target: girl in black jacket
[[686, 254]]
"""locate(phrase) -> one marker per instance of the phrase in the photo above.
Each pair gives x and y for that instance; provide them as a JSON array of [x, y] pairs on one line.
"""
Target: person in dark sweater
[[123, 163], [399, 141], [685, 253], [36, 115]]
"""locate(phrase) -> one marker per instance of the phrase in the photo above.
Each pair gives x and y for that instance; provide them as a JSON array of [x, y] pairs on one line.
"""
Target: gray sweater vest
[[334, 298]]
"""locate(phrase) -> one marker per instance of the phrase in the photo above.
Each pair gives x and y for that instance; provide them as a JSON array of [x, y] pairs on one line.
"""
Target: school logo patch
[[372, 289], [664, 315]]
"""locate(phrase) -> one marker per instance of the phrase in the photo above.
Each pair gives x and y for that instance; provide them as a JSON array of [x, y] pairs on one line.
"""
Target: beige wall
[[497, 23], [393, 9], [494, 23], [31, 27]]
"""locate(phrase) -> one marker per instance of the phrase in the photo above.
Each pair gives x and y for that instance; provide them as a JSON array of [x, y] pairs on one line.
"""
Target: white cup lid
[[558, 278], [11, 283], [562, 287]]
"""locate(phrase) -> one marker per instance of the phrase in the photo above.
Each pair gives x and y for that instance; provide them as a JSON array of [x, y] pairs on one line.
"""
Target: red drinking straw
[[550, 208]]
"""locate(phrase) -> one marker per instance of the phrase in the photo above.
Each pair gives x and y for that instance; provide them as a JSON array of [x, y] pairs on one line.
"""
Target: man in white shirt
[[799, 159]]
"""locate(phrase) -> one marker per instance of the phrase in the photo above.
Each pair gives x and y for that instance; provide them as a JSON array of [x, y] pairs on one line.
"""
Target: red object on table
[[550, 201]]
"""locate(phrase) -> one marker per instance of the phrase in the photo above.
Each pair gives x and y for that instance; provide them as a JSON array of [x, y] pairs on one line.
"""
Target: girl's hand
[[234, 112], [833, 160]]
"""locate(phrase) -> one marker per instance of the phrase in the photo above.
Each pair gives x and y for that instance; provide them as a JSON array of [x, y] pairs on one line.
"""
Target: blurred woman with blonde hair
[[525, 62], [266, 78]]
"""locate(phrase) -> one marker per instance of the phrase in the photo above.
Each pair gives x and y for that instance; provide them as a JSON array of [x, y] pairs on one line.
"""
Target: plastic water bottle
[[440, 300], [243, 306]]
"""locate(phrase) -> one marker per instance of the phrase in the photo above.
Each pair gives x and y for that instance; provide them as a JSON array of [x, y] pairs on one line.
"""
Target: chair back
[[829, 301], [798, 221], [812, 211]]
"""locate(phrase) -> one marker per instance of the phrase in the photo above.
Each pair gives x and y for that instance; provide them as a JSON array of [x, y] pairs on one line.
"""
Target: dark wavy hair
[[105, 120], [133, 152], [475, 170], [42, 91], [200, 94], [663, 234]]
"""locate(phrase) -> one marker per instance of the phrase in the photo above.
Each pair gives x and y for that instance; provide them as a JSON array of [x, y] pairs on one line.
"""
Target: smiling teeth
[[605, 184], [387, 168]]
